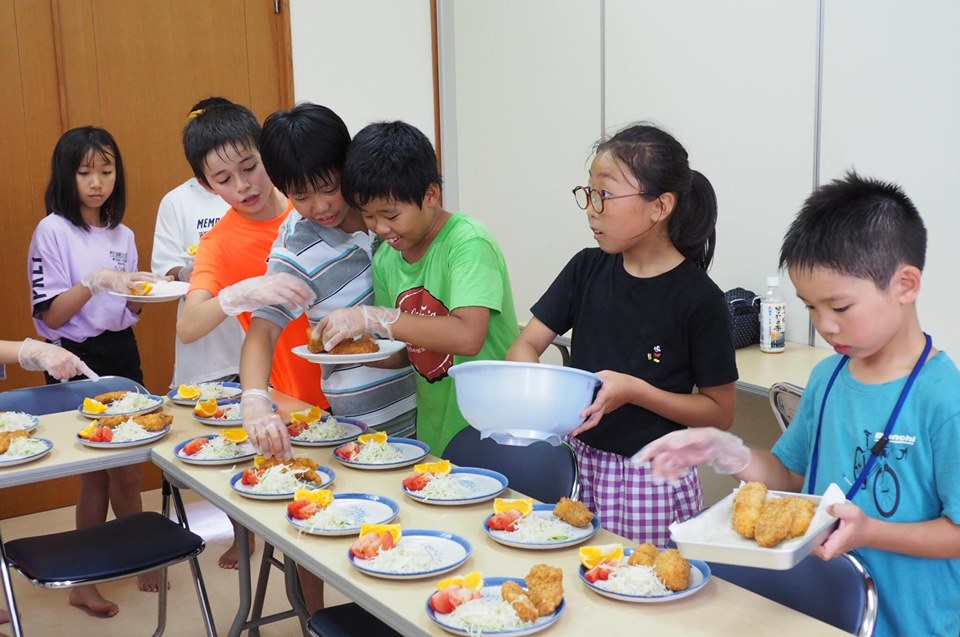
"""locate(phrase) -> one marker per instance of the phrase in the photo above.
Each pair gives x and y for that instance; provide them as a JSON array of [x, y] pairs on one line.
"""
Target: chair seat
[[348, 620], [116, 549]]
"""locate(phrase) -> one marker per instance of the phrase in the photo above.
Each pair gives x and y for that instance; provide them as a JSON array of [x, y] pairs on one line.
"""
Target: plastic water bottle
[[773, 318]]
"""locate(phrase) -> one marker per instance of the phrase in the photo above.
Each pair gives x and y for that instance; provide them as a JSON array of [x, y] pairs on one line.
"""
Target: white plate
[[449, 552], [483, 485], [412, 451], [387, 349], [699, 576], [34, 422], [162, 291], [326, 475], [24, 459], [491, 591], [158, 400], [710, 535], [153, 437], [224, 422], [577, 535], [229, 390], [354, 428], [246, 453], [363, 508]]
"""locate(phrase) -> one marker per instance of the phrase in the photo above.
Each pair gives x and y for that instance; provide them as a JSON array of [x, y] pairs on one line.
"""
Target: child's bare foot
[[90, 599], [231, 557], [150, 582], [4, 616]]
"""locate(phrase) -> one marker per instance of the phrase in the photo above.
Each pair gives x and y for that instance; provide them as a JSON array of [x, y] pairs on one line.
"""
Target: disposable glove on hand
[[269, 289], [36, 356], [265, 428], [347, 323], [185, 272], [114, 281], [672, 455]]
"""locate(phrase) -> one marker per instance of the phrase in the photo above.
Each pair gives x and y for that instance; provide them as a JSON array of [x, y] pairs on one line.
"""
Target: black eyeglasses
[[585, 195]]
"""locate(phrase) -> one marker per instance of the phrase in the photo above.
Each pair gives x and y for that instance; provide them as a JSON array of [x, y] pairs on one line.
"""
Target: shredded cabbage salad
[[485, 614], [446, 487], [320, 430], [378, 453], [231, 412], [277, 479], [633, 580], [404, 558], [215, 390], [218, 448], [539, 529], [23, 447], [132, 401], [128, 431], [14, 421], [335, 517]]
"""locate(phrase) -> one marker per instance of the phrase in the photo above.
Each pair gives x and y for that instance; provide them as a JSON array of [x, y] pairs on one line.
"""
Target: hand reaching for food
[[115, 281], [261, 291], [37, 356], [265, 428], [672, 455], [351, 322]]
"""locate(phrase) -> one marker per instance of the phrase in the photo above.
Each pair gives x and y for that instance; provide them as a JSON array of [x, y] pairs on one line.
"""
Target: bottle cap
[[773, 281]]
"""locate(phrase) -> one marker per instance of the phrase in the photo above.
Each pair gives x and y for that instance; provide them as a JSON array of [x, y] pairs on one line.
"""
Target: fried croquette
[[8, 436], [803, 511], [775, 522], [154, 422], [514, 595], [746, 508], [644, 555], [545, 588], [573, 512], [672, 569], [362, 345], [110, 397], [306, 467]]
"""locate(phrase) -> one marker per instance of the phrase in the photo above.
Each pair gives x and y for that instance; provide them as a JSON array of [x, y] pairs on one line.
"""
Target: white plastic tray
[[710, 536]]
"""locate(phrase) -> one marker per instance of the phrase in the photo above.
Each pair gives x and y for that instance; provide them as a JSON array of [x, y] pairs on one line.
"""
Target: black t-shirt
[[670, 330]]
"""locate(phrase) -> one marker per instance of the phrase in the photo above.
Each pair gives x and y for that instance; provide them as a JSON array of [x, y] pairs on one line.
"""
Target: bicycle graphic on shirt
[[886, 485]]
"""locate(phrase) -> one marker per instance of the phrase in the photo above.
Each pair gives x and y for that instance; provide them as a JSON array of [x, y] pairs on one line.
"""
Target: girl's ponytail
[[693, 225]]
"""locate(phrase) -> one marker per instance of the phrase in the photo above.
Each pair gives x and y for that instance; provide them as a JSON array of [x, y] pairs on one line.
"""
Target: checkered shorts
[[627, 499]]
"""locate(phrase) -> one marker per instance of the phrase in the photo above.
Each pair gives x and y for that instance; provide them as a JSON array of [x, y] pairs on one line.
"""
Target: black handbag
[[743, 311]]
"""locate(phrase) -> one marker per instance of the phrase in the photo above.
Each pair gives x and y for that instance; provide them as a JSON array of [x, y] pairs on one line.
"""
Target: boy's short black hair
[[858, 227], [304, 147], [216, 126], [389, 160]]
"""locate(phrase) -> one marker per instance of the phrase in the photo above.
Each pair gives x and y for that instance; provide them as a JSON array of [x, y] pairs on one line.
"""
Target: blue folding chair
[[105, 552], [839, 592]]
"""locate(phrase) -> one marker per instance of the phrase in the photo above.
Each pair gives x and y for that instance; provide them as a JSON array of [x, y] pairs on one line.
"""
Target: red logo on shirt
[[431, 365]]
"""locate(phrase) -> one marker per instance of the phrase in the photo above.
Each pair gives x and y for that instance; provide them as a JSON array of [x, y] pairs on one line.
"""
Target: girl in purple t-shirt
[[78, 250]]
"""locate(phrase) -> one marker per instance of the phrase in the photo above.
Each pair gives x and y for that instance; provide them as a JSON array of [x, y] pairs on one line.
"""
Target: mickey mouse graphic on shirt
[[654, 356], [433, 366]]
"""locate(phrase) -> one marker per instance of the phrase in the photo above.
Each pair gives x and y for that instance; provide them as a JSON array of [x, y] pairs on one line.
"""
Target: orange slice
[[320, 497], [234, 435], [307, 415], [392, 529], [87, 431], [188, 392], [92, 406], [473, 580], [523, 505], [366, 439], [206, 408], [591, 556], [141, 288], [439, 467]]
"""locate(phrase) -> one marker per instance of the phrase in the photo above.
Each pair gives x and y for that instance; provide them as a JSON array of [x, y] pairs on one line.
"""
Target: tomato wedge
[[598, 572], [447, 599], [349, 451], [372, 544], [504, 521], [296, 428], [250, 477], [302, 509], [194, 446], [417, 481]]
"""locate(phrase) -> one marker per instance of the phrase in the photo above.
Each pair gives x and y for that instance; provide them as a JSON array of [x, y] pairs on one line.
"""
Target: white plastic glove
[[269, 289], [185, 272], [37, 356], [351, 322], [265, 428], [114, 280], [672, 455]]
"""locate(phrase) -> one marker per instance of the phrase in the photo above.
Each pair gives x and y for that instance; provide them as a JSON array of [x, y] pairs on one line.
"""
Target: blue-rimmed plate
[[15, 460], [245, 452], [224, 422], [326, 475], [478, 484], [347, 513], [349, 429], [491, 594], [156, 403], [411, 452], [220, 391], [446, 552], [699, 576], [527, 537], [18, 421], [152, 437]]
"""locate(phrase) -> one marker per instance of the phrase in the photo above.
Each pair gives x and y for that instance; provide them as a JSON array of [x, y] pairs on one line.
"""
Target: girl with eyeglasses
[[648, 320]]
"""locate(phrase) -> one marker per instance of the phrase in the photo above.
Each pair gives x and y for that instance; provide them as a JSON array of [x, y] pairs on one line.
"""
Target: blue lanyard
[[882, 442]]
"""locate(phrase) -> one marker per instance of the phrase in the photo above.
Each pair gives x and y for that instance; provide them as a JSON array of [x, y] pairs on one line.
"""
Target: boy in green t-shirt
[[443, 285]]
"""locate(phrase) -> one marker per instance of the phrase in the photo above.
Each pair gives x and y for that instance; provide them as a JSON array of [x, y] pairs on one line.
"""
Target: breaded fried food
[[513, 594], [672, 569], [306, 467], [112, 421], [746, 508], [573, 513], [362, 345], [154, 422], [775, 522], [110, 396], [644, 555], [803, 511], [545, 588], [8, 436]]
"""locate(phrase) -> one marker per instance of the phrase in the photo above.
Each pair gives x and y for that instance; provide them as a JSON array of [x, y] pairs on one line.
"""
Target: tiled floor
[[45, 612]]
